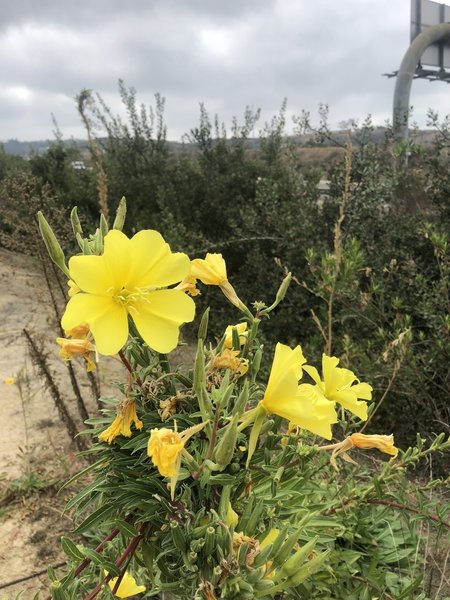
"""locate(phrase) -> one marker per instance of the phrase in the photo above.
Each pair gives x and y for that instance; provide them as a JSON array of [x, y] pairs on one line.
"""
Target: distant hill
[[26, 149]]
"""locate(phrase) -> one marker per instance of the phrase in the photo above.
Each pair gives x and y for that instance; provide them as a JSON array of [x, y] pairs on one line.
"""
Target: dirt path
[[35, 448]]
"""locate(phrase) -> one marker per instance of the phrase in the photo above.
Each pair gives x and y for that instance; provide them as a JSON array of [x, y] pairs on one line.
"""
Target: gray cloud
[[226, 53]]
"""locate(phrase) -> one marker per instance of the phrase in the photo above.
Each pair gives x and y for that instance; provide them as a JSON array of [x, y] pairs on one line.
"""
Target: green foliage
[[253, 200]]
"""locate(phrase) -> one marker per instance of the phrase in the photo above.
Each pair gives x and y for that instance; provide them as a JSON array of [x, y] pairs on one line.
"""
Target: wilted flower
[[229, 359], [165, 448], [338, 385], [126, 416], [124, 281], [383, 443], [127, 587], [189, 286], [77, 347]]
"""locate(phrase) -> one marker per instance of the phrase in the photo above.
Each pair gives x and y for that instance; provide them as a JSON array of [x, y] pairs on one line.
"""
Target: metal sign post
[[430, 45]]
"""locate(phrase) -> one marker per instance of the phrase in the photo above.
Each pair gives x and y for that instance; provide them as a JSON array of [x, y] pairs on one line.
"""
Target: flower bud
[[51, 243], [121, 213], [203, 327], [227, 444], [103, 225], [75, 221]]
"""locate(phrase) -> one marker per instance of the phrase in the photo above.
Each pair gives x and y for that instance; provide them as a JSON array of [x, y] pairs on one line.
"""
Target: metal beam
[[406, 74]]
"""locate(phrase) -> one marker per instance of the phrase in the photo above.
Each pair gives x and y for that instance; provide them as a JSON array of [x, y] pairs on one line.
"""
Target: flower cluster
[[221, 435]]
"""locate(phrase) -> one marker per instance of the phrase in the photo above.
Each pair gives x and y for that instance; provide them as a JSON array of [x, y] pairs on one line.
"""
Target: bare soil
[[36, 452]]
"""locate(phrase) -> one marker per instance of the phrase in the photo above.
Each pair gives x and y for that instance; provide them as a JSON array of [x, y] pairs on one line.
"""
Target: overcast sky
[[225, 53]]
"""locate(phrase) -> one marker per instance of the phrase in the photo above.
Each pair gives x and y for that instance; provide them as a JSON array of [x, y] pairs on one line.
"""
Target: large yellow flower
[[338, 385], [125, 280], [280, 397], [314, 412]]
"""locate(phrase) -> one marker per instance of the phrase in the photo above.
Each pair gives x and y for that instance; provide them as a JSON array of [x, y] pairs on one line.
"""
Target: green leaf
[[71, 549], [126, 528], [98, 516]]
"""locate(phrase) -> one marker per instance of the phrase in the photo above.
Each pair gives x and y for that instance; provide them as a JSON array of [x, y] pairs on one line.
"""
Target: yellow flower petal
[[152, 262], [342, 386], [107, 320], [90, 274], [128, 586], [241, 331], [283, 380], [159, 319], [117, 257], [315, 412]]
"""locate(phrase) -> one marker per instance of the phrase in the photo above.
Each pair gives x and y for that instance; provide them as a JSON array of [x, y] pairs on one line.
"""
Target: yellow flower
[[77, 347], [9, 381], [125, 280], [338, 385], [126, 415], [280, 397], [314, 412], [212, 270], [383, 443], [165, 448], [241, 331], [229, 359], [128, 586]]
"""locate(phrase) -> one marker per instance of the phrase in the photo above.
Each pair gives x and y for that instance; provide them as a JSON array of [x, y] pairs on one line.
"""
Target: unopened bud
[[75, 221], [227, 444], [203, 327], [280, 294], [51, 243], [103, 225], [121, 213]]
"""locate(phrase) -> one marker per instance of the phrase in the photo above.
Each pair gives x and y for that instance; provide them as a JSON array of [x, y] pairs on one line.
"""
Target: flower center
[[128, 298]]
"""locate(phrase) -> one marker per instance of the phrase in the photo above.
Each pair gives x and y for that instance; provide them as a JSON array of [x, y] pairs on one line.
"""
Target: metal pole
[[406, 75]]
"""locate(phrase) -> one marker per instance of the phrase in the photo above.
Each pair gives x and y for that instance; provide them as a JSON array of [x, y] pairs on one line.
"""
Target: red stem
[[129, 551], [99, 548], [126, 362]]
